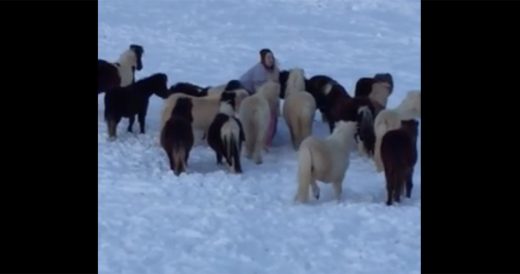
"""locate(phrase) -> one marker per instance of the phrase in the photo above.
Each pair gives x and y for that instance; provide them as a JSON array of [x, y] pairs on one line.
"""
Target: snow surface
[[210, 221]]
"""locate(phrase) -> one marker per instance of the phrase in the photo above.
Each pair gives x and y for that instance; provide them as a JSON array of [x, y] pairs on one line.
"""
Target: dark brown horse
[[399, 156], [177, 135]]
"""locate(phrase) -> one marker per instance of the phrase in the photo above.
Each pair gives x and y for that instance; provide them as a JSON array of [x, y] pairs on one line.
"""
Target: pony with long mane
[[325, 160]]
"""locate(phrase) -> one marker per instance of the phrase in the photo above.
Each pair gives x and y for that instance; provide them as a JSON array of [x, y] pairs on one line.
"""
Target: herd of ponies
[[230, 120]]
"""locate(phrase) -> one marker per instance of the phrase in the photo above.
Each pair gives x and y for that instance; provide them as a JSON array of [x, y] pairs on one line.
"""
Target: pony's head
[[363, 87], [228, 102], [233, 84], [183, 108], [138, 51], [295, 81], [411, 126], [159, 84]]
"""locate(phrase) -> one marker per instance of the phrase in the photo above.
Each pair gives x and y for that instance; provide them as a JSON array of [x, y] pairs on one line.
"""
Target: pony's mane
[[227, 103], [183, 108], [154, 83], [366, 128], [295, 81], [363, 87], [128, 58], [344, 131]]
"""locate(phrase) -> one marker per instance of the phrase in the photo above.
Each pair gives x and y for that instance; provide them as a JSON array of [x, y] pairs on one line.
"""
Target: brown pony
[[177, 136], [399, 155]]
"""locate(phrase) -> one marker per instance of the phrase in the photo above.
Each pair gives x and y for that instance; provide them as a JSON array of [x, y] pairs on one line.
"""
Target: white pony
[[390, 119], [204, 108], [299, 107], [255, 114], [128, 62], [326, 160]]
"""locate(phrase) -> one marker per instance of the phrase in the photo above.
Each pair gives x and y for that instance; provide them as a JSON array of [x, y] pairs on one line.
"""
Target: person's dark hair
[[264, 52]]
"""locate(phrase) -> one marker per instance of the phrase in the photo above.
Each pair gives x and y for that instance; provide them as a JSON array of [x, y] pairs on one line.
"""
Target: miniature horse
[[177, 135], [399, 156], [132, 100], [225, 134]]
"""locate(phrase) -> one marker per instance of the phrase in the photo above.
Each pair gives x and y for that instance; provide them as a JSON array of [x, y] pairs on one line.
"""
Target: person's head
[[267, 58]]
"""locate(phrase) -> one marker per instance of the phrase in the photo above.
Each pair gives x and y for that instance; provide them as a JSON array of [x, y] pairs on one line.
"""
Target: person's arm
[[247, 80]]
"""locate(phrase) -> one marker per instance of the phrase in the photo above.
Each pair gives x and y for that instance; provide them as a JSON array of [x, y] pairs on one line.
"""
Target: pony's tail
[[366, 129], [179, 156], [235, 153], [305, 167], [304, 128], [230, 137]]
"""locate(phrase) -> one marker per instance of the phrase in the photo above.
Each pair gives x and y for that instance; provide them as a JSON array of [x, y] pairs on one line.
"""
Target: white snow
[[210, 221]]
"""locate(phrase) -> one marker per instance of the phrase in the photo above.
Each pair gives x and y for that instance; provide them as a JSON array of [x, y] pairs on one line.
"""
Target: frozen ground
[[209, 221]]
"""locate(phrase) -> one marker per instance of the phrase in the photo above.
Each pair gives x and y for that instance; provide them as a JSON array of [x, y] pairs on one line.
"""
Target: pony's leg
[[131, 121], [315, 189], [398, 188], [172, 163], [219, 158], [112, 127], [186, 156], [293, 137], [271, 130], [257, 152], [331, 126], [275, 125], [389, 188], [142, 119], [337, 190], [409, 184]]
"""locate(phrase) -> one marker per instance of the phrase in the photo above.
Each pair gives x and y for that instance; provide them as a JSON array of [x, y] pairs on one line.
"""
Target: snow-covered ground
[[210, 221]]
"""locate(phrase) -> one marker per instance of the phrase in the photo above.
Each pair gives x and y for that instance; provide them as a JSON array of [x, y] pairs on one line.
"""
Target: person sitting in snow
[[265, 70]]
